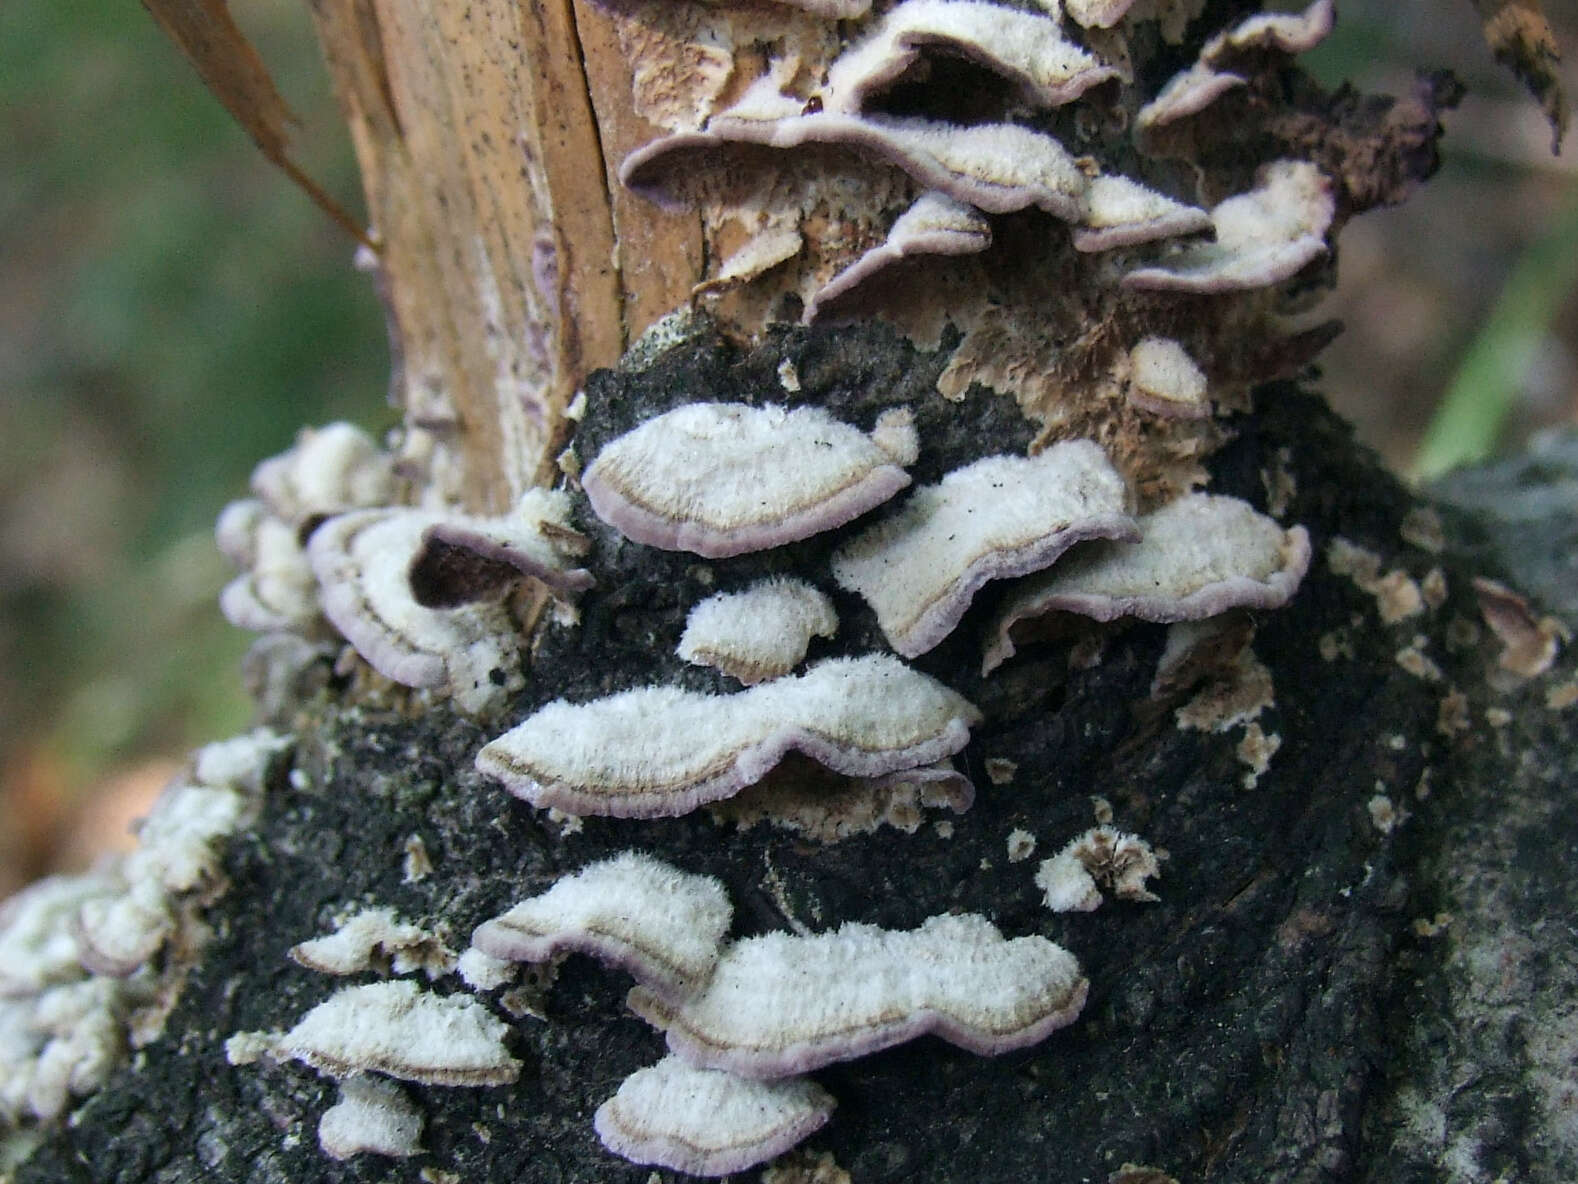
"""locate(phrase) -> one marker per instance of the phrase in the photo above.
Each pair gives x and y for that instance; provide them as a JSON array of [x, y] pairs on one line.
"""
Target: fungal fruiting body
[[662, 751], [372, 1116], [1197, 556], [1071, 879], [663, 926], [400, 1030], [705, 1122], [721, 479], [995, 519], [780, 1005], [759, 633]]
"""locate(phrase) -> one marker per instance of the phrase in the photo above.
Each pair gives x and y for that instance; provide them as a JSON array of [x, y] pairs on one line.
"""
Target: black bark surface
[[1277, 1016]]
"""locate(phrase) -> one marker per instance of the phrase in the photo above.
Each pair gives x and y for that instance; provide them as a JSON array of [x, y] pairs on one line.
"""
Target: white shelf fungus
[[759, 633], [1227, 59], [328, 471], [1164, 380], [398, 1029], [662, 751], [362, 562], [1120, 212], [38, 945], [935, 225], [662, 925], [372, 1116], [1262, 237], [1072, 879], [779, 1005], [996, 167], [721, 479], [995, 519], [375, 938], [1027, 48], [1198, 556], [276, 591], [705, 1122]]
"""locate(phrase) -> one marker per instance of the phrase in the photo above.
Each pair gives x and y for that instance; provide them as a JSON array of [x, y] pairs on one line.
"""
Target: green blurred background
[[172, 309]]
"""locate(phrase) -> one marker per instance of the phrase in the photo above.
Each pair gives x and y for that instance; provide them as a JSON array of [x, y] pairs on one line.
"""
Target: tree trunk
[[1359, 966]]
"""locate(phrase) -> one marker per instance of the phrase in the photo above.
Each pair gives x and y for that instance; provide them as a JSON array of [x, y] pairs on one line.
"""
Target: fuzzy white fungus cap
[[935, 225], [276, 591], [705, 1122], [117, 934], [759, 254], [1164, 380], [996, 167], [1027, 48], [759, 633], [779, 1005], [362, 562], [328, 471], [61, 1044], [374, 937], [1199, 555], [1120, 212], [1262, 237], [662, 925], [1227, 58], [721, 479], [662, 751], [398, 1029], [998, 518], [1122, 862], [372, 1116]]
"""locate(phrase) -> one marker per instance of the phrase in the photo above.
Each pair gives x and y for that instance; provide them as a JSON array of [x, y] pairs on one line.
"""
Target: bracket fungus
[[276, 591], [662, 751], [400, 1030], [330, 470], [372, 1116], [662, 925], [363, 561], [996, 167], [779, 1005], [935, 225], [705, 1122], [1199, 555], [920, 568], [1027, 48], [760, 633], [1120, 212], [1262, 237], [1097, 14], [721, 479]]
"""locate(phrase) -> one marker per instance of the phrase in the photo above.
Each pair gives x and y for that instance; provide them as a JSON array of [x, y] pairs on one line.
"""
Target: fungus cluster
[[746, 1019], [850, 188], [90, 964]]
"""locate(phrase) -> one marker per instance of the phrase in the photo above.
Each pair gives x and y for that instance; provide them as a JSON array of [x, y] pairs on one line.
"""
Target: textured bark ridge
[[1280, 1014]]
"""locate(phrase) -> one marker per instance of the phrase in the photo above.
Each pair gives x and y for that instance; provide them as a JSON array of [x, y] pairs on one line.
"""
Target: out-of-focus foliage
[[171, 310]]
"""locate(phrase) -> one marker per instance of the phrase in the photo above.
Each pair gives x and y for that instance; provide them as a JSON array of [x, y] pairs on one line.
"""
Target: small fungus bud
[[759, 633], [371, 1116], [1164, 380]]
